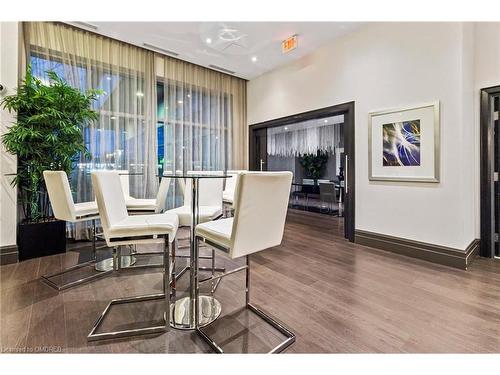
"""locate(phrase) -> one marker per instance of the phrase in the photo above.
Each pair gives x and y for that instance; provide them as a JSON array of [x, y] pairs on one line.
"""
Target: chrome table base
[[107, 264], [180, 312]]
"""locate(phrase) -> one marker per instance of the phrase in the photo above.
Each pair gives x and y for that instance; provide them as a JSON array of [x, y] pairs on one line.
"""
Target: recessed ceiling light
[[254, 58], [139, 94], [286, 128], [325, 121], [208, 40]]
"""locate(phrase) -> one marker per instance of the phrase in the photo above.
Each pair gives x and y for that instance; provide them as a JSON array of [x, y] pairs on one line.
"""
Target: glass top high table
[[181, 311]]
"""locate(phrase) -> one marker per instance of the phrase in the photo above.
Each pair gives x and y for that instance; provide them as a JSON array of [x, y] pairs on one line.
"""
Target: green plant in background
[[314, 164], [47, 135]]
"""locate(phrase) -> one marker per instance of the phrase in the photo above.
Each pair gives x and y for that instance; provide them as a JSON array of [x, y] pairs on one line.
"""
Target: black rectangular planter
[[40, 239]]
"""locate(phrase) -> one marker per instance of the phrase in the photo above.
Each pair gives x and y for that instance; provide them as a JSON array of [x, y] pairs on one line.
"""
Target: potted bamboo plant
[[47, 135], [314, 164]]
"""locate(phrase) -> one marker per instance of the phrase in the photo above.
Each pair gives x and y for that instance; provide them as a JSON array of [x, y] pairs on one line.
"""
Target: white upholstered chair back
[[161, 196], [209, 190], [110, 199], [260, 207], [179, 182], [60, 196], [125, 181], [231, 182]]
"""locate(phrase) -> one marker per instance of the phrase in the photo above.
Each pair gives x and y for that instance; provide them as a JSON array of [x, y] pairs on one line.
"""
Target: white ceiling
[[233, 44]]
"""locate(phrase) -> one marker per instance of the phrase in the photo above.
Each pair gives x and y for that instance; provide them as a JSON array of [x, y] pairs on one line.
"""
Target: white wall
[[9, 34], [388, 65], [487, 52]]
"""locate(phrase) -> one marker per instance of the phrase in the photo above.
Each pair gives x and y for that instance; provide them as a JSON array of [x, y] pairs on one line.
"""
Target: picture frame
[[404, 144]]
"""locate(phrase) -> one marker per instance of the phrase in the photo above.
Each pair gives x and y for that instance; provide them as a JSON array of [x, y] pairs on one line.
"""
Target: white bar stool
[[65, 209], [121, 229], [258, 224]]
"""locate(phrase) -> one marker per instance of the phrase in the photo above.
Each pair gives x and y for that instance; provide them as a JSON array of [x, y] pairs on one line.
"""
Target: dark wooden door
[[489, 172], [496, 168], [258, 160]]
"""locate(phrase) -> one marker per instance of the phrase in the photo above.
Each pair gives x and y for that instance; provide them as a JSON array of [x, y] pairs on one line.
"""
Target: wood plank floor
[[337, 296]]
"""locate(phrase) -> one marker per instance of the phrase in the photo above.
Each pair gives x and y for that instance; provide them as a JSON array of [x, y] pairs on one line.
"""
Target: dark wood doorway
[[258, 151], [490, 168], [258, 158]]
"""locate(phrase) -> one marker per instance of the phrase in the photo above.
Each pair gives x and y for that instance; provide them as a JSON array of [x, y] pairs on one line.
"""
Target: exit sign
[[289, 44]]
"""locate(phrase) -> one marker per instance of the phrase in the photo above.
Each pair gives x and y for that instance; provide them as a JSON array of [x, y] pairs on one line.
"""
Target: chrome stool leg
[[47, 278], [290, 336], [212, 268], [173, 280], [165, 296]]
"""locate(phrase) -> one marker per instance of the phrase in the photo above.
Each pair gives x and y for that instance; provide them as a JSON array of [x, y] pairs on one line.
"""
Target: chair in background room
[[258, 224], [306, 190], [64, 208], [308, 181], [122, 229], [299, 192], [328, 196]]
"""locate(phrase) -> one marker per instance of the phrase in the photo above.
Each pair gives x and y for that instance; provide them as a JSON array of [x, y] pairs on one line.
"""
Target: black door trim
[[486, 171], [346, 109]]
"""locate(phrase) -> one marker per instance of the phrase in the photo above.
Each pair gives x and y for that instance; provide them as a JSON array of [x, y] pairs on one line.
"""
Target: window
[[118, 138], [192, 128]]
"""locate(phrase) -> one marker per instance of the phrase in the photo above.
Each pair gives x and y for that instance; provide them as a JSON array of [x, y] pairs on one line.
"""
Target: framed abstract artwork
[[404, 144]]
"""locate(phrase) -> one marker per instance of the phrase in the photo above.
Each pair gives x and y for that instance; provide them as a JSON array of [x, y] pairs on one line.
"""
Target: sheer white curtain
[[202, 118], [124, 137], [306, 137]]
